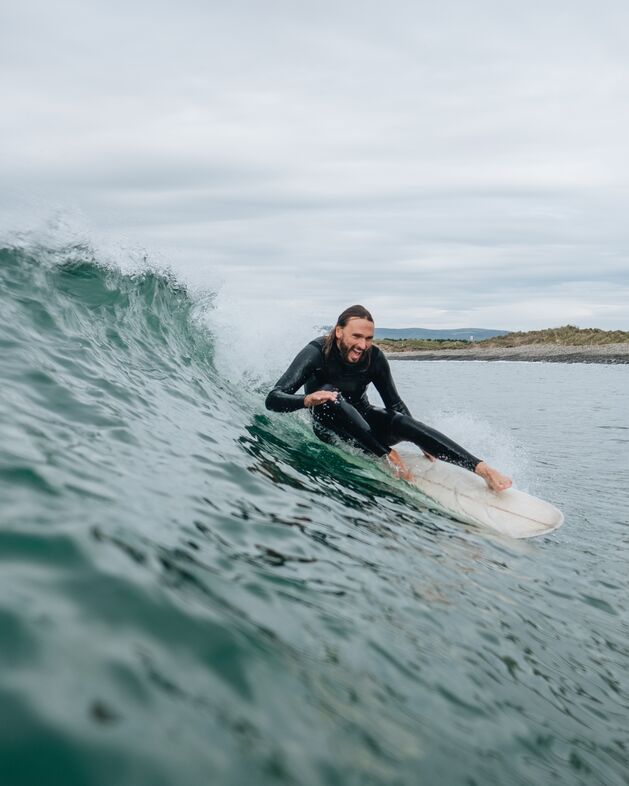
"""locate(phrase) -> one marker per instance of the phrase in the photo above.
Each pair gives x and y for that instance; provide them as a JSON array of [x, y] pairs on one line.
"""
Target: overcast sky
[[450, 165]]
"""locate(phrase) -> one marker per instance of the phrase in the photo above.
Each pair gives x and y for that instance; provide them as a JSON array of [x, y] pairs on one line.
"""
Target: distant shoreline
[[534, 353]]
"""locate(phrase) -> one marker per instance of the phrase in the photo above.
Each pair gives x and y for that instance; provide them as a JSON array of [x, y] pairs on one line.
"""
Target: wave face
[[195, 591]]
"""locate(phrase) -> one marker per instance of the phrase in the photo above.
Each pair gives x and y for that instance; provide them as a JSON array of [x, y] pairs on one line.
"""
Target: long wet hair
[[353, 312]]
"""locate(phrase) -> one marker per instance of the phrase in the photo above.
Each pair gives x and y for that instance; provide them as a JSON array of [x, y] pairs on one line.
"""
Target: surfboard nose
[[465, 496]]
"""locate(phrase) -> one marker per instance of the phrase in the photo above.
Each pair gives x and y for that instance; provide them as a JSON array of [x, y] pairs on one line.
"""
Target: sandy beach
[[545, 353]]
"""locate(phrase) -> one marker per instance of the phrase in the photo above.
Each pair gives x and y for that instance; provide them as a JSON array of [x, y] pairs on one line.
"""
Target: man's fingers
[[320, 397], [325, 395]]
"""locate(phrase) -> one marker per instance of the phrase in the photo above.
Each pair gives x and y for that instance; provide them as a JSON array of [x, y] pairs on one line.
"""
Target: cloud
[[435, 161]]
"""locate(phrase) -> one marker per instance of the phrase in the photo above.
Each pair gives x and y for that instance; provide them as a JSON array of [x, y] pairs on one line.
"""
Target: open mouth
[[354, 354]]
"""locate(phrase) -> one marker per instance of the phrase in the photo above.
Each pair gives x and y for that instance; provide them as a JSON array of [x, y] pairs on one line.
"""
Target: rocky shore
[[545, 353]]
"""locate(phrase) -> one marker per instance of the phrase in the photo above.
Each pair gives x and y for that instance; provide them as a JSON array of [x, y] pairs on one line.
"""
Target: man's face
[[355, 339]]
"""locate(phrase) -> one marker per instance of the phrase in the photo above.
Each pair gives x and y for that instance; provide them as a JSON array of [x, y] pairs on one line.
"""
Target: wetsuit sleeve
[[385, 386], [282, 398]]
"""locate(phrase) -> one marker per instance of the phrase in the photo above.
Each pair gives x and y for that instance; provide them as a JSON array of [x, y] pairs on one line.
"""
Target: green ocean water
[[195, 591]]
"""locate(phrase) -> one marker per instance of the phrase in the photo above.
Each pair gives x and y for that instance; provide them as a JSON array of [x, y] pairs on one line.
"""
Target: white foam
[[256, 340], [495, 445]]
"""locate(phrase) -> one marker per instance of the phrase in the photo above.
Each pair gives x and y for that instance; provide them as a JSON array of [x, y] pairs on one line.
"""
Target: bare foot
[[400, 468], [494, 479]]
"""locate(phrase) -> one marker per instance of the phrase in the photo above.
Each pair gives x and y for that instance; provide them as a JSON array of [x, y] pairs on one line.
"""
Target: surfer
[[335, 371]]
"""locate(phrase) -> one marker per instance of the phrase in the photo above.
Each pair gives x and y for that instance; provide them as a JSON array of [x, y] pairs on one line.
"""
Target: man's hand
[[319, 397], [401, 470]]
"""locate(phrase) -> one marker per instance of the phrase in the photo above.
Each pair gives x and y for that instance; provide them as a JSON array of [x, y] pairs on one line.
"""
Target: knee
[[406, 427], [406, 421], [397, 419]]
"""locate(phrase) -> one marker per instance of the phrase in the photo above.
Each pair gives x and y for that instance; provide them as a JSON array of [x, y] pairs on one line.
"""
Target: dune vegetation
[[567, 335]]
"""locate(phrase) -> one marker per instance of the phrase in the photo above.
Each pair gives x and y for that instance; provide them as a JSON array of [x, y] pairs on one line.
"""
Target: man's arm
[[282, 398], [385, 386]]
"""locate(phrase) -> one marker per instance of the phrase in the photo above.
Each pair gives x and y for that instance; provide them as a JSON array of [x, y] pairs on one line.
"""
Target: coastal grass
[[567, 335]]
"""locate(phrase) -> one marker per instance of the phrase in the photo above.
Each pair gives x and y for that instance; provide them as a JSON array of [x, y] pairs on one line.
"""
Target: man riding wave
[[335, 371]]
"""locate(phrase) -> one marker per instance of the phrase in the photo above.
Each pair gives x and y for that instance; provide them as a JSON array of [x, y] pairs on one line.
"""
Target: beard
[[345, 349]]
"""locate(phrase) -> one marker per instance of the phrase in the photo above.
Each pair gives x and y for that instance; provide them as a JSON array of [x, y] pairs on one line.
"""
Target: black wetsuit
[[351, 416]]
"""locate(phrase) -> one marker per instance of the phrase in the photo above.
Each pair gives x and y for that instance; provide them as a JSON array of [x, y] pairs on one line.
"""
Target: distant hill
[[460, 334]]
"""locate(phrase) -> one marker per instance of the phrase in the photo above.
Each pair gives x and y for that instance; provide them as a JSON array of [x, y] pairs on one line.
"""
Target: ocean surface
[[196, 591]]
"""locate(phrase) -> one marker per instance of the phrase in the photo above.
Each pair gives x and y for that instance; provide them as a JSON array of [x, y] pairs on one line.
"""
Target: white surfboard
[[467, 498]]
